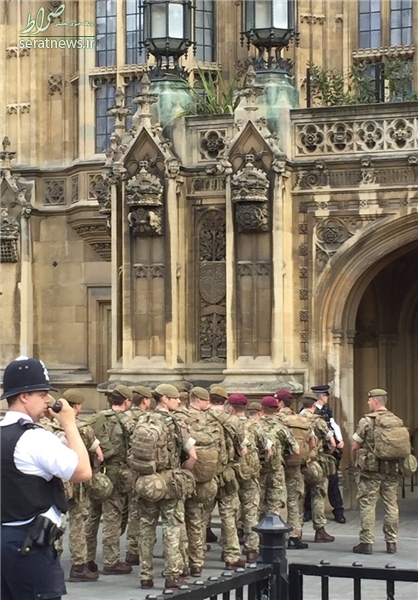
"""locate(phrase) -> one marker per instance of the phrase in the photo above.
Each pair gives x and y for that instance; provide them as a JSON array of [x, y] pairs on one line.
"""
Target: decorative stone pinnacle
[[144, 100], [6, 156], [119, 111]]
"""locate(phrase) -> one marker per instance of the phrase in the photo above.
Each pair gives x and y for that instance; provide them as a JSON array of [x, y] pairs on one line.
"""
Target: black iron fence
[[358, 574], [272, 579]]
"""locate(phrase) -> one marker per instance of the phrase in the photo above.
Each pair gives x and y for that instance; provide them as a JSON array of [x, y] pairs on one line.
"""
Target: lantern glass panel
[[175, 19], [263, 14], [158, 21], [280, 14]]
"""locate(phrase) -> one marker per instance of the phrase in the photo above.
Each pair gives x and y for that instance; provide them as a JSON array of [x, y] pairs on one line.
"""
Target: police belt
[[41, 532]]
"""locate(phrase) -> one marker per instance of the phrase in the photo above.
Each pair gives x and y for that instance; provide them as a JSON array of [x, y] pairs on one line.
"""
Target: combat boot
[[147, 584], [321, 536], [92, 566], [210, 536], [251, 555], [81, 573], [118, 568], [231, 566], [295, 543], [391, 547], [363, 548], [195, 571], [132, 559], [175, 583]]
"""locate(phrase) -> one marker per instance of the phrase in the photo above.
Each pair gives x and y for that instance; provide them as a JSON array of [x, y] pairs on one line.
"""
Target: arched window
[[205, 30], [105, 98]]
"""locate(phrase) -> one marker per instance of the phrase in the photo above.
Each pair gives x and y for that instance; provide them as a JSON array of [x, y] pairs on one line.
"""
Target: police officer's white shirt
[[40, 452], [334, 425]]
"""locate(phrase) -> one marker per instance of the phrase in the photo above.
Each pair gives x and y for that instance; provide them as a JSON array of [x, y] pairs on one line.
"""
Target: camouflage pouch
[[408, 466], [126, 479], [205, 492], [328, 464], [151, 488], [181, 484]]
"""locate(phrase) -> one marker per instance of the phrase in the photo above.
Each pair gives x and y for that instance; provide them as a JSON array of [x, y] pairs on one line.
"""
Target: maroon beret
[[269, 402], [282, 394], [238, 399]]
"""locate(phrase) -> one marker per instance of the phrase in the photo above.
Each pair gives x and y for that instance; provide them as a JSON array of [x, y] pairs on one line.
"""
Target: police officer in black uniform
[[334, 494], [33, 462]]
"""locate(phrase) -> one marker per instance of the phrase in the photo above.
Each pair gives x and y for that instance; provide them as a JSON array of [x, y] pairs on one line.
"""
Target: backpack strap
[[237, 448]]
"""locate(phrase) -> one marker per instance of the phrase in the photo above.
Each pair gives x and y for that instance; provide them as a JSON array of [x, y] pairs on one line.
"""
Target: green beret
[[124, 391], [218, 390], [254, 405], [73, 396], [143, 390], [181, 387], [166, 389], [310, 396], [200, 392], [377, 392]]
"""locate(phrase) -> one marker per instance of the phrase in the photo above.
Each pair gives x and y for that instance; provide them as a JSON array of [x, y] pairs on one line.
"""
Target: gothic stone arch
[[341, 287]]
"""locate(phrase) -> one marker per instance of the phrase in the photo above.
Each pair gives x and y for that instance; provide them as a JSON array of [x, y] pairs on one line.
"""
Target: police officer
[[33, 462]]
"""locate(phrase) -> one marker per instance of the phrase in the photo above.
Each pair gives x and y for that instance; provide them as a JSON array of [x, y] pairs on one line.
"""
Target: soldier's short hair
[[216, 399], [307, 402]]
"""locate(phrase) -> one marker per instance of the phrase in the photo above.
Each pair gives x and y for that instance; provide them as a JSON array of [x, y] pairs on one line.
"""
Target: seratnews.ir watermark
[[30, 37]]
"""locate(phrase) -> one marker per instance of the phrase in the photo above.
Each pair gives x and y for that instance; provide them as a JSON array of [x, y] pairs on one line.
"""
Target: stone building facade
[[274, 247]]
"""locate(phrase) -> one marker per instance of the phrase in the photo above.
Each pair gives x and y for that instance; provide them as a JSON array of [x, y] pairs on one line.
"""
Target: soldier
[[334, 495], [272, 477], [325, 444], [175, 441], [249, 487], [206, 432], [227, 496], [141, 403], [293, 477], [378, 477], [113, 427], [78, 503]]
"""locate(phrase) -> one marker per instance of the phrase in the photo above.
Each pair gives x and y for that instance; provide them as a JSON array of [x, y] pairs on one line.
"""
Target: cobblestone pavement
[[126, 587]]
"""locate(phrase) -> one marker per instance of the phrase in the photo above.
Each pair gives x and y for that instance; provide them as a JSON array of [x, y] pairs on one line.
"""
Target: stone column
[[26, 288]]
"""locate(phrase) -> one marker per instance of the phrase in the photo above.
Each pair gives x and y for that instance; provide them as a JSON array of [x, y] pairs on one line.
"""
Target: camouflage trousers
[[132, 534], [196, 532], [184, 546], [78, 514], [111, 510], [369, 487], [172, 518], [272, 492], [318, 494], [228, 506], [249, 497], [295, 489]]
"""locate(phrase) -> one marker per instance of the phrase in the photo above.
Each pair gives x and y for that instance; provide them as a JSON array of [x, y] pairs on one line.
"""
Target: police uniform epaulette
[[29, 424]]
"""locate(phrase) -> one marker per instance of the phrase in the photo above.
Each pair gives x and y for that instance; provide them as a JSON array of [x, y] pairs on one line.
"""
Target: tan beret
[[310, 396], [218, 390], [200, 392], [377, 392], [73, 396], [181, 387], [143, 390], [124, 391], [166, 389]]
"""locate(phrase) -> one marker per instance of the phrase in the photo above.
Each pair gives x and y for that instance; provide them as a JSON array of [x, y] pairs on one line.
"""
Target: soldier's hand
[[340, 445], [99, 455]]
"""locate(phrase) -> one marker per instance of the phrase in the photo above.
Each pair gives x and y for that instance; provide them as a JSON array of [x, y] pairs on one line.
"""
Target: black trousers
[[38, 574]]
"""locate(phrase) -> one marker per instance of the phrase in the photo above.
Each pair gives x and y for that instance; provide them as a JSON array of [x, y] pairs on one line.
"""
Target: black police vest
[[24, 496]]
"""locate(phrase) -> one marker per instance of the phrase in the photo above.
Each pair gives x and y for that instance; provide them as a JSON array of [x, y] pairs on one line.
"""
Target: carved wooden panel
[[212, 286]]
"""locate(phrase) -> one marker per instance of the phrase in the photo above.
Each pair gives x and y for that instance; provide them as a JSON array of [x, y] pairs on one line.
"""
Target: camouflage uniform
[[227, 497], [371, 484], [118, 427], [295, 489], [132, 533], [319, 490], [170, 511], [78, 503], [249, 488], [272, 477]]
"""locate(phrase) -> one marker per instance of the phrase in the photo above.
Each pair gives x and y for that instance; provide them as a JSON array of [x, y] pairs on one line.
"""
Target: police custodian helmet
[[25, 375]]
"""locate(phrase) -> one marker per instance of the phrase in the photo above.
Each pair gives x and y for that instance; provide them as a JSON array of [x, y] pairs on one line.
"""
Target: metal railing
[[357, 574]]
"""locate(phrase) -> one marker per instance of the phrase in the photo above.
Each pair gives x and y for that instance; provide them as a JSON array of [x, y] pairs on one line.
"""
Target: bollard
[[273, 540]]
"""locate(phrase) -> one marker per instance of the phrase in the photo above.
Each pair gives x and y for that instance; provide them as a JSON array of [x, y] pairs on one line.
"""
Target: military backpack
[[149, 452], [301, 429], [391, 440]]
